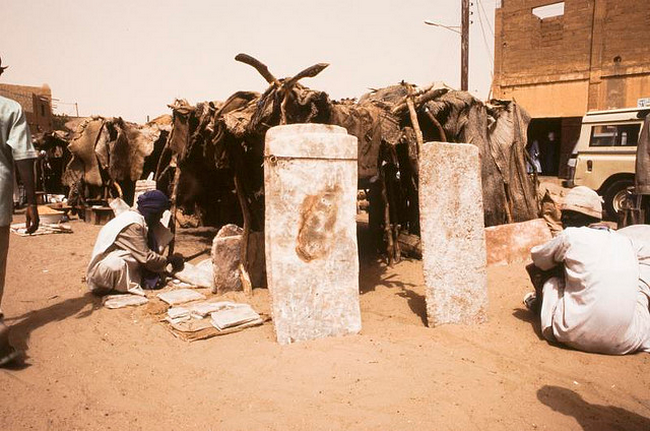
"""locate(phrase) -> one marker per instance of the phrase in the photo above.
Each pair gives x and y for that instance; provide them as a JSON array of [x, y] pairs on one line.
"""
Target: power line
[[489, 26], [485, 42]]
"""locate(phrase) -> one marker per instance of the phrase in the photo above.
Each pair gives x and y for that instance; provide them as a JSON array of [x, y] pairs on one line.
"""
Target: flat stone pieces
[[453, 236], [510, 243], [226, 254], [180, 296], [226, 251], [310, 179]]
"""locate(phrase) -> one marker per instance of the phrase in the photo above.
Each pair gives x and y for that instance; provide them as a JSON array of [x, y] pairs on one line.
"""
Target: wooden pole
[[388, 230], [416, 125], [243, 257], [174, 199], [175, 161], [436, 123], [464, 46]]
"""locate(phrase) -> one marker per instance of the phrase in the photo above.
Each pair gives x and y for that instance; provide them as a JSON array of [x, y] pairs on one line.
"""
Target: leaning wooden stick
[[174, 199], [243, 258], [419, 99], [436, 123], [388, 231], [414, 120], [259, 66]]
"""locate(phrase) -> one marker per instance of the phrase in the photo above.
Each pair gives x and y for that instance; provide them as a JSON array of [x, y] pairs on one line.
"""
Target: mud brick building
[[562, 59], [36, 102]]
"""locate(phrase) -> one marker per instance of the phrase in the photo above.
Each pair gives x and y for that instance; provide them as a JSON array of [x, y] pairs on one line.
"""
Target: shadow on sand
[[22, 326], [591, 416], [373, 272], [531, 317]]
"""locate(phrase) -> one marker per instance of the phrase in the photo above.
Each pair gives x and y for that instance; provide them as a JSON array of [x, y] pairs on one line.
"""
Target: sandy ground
[[91, 368]]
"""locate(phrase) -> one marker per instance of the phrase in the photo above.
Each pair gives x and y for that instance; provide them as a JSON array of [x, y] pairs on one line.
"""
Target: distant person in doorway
[[533, 165], [15, 149], [550, 150]]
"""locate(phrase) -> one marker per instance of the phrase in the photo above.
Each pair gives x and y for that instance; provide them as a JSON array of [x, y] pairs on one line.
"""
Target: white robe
[[640, 236], [117, 269], [596, 307]]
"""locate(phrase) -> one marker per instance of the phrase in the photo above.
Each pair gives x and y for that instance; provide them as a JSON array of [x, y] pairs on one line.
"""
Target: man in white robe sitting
[[126, 257], [589, 293]]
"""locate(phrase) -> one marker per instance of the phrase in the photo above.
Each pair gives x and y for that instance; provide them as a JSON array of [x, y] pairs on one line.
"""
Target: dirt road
[[91, 368]]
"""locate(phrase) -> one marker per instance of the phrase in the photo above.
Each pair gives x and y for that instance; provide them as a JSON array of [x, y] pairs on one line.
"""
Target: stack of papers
[[239, 315]]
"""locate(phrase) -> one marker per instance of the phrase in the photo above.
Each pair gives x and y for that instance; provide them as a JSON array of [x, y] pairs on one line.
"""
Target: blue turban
[[152, 202]]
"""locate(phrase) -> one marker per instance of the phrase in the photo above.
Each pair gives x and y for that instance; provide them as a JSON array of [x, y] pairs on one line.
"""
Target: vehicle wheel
[[615, 195]]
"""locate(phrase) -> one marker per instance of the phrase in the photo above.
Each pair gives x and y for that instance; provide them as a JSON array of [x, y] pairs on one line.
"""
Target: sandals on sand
[[8, 353], [530, 301], [11, 355]]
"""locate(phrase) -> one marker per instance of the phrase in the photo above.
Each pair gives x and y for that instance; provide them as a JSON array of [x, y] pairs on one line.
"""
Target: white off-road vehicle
[[604, 157]]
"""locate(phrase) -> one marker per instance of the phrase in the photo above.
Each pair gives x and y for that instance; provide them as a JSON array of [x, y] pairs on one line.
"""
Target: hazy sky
[[131, 58]]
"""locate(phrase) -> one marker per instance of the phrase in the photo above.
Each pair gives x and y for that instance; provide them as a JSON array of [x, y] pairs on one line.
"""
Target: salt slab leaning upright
[[310, 180], [453, 235]]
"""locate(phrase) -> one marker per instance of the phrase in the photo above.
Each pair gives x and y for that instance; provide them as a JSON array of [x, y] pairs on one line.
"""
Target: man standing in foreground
[[15, 148], [589, 292]]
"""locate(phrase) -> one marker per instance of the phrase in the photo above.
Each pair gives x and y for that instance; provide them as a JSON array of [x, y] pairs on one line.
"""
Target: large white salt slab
[[310, 179]]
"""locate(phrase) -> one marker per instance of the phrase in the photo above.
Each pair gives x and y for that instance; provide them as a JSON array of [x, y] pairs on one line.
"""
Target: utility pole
[[464, 42], [464, 46]]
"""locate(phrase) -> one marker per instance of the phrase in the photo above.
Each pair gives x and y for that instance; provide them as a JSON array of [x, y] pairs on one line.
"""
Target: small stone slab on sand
[[180, 296], [510, 243], [123, 300]]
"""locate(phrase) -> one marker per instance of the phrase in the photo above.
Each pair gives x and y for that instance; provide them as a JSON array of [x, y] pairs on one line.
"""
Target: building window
[[42, 110], [549, 11], [619, 135]]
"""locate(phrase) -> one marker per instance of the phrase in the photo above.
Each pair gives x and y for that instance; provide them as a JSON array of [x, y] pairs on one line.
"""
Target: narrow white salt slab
[[453, 234], [180, 296]]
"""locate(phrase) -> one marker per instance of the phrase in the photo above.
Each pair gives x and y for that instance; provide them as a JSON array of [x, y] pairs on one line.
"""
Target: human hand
[[31, 219], [177, 262]]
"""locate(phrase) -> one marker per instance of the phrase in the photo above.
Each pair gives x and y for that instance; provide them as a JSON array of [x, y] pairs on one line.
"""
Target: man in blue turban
[[126, 256]]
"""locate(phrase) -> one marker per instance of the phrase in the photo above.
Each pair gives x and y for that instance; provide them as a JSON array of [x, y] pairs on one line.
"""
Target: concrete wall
[[36, 102], [595, 56], [550, 100]]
